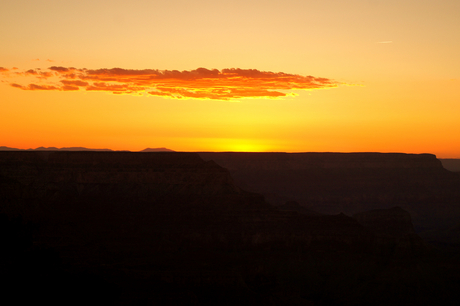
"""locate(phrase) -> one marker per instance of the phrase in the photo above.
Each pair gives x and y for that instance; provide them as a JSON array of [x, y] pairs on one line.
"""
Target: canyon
[[235, 228]]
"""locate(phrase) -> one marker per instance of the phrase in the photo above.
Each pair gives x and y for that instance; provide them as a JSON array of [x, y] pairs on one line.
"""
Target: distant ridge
[[68, 149], [4, 148], [157, 150], [451, 164]]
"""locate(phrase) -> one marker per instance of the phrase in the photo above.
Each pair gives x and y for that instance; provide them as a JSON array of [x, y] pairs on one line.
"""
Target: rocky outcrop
[[392, 222], [393, 229]]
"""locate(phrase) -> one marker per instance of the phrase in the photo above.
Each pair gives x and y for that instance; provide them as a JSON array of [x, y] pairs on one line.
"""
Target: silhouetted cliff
[[351, 182], [45, 175]]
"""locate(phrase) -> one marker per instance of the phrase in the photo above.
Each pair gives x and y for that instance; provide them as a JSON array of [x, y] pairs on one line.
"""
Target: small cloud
[[42, 87], [4, 69], [69, 88], [59, 69], [48, 60], [385, 42], [31, 72], [36, 60], [74, 83], [18, 86], [38, 73], [45, 74]]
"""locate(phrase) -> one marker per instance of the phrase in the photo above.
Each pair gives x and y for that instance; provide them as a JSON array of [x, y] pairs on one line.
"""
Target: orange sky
[[329, 75]]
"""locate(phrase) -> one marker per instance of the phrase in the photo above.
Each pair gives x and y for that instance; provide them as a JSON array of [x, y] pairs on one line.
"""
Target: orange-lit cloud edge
[[201, 83]]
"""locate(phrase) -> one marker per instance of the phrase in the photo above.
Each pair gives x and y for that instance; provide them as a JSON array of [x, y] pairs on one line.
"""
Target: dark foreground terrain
[[170, 228]]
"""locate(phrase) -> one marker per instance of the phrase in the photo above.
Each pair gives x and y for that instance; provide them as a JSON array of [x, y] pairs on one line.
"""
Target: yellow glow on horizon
[[225, 145], [243, 145]]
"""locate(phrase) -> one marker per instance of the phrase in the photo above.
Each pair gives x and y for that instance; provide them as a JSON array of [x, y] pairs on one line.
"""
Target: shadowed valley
[[229, 228]]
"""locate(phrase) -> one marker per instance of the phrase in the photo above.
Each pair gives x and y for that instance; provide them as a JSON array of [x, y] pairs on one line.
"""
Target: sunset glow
[[289, 76]]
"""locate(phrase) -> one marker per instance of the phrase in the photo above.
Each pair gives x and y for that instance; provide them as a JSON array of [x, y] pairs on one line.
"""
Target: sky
[[273, 75]]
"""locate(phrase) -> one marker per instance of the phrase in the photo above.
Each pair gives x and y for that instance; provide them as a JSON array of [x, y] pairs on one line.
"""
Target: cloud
[[37, 73], [385, 42], [59, 69], [35, 87], [4, 69], [201, 83], [215, 94], [69, 88], [75, 83], [31, 71], [17, 86], [42, 87]]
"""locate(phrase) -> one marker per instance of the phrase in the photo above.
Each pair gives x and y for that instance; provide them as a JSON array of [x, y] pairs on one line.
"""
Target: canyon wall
[[351, 182], [175, 197], [126, 174]]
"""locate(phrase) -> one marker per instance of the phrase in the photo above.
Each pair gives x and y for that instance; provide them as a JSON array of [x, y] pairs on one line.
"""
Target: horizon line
[[164, 149]]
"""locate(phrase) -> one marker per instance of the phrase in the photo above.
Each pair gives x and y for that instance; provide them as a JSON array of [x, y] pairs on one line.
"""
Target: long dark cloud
[[75, 83], [36, 87], [201, 83]]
